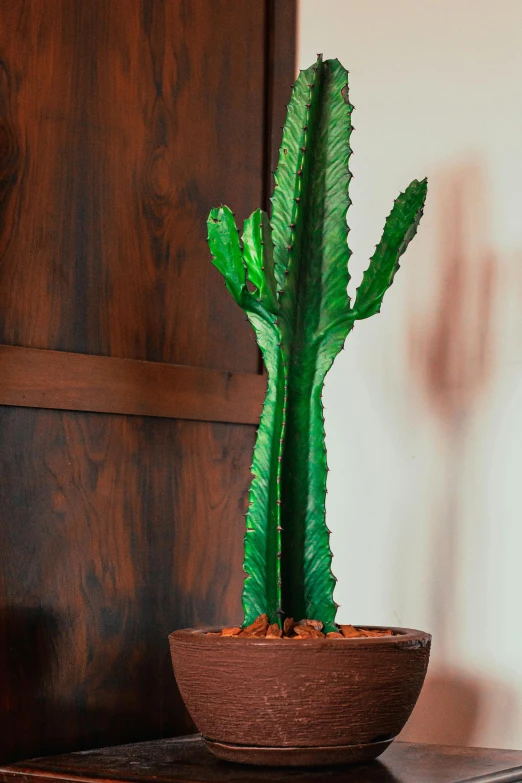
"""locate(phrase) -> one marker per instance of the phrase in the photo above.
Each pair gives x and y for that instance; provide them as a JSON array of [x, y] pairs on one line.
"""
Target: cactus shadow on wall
[[450, 347], [451, 360]]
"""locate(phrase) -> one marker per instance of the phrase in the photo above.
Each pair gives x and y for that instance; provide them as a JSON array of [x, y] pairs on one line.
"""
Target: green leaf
[[223, 241], [315, 320], [400, 228]]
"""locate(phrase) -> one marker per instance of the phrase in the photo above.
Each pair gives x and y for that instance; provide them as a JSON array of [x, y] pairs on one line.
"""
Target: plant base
[[309, 702], [297, 757]]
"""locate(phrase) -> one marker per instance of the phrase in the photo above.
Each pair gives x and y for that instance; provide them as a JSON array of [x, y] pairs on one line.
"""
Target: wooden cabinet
[[186, 759], [130, 383]]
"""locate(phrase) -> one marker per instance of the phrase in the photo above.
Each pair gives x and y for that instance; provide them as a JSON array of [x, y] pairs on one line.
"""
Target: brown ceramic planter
[[292, 702]]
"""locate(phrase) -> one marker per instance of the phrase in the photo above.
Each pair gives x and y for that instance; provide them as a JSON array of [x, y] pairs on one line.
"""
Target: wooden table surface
[[186, 760]]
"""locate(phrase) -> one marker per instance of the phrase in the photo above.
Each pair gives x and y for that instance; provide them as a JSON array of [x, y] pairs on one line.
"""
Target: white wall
[[424, 407]]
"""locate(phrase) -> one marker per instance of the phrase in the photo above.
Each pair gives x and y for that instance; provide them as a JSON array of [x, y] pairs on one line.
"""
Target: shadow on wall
[[450, 347], [450, 353], [453, 708], [27, 652], [35, 717]]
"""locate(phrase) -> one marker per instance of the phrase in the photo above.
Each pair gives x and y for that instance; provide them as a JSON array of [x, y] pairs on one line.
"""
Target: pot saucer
[[297, 757]]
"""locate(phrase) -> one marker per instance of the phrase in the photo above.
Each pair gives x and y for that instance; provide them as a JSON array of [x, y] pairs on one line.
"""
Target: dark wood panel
[[34, 378], [281, 74], [186, 759], [115, 531], [122, 122]]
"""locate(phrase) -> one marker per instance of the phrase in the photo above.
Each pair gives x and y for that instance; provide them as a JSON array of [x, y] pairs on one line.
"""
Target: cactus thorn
[[298, 199], [289, 247]]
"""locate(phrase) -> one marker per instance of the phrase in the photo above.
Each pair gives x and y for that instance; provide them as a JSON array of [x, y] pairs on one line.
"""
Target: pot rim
[[405, 637]]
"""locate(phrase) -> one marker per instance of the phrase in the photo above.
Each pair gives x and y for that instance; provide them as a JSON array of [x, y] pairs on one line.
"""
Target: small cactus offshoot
[[296, 262]]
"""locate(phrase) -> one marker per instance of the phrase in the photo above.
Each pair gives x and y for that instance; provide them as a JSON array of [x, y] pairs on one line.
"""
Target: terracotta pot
[[293, 702]]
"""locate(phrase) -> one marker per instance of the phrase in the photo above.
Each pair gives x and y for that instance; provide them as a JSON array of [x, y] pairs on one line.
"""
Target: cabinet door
[[130, 383]]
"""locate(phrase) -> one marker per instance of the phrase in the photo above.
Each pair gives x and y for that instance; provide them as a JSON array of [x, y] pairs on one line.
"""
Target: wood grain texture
[[34, 378], [307, 693], [114, 529], [186, 759], [121, 125], [280, 63]]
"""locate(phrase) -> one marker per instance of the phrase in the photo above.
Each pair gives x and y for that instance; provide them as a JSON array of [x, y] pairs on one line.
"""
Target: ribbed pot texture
[[286, 693]]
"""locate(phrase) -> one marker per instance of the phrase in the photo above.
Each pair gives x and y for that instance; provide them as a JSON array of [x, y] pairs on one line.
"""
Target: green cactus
[[297, 266]]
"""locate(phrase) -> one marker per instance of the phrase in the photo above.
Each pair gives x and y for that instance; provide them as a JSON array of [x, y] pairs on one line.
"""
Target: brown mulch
[[304, 629]]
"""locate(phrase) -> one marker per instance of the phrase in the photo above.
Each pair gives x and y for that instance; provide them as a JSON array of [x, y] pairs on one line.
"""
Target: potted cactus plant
[[290, 686]]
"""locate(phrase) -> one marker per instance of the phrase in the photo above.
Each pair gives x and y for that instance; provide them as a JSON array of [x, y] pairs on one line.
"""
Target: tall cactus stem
[[296, 263]]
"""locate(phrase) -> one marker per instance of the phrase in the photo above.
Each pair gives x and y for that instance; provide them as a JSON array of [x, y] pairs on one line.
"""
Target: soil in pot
[[303, 629]]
